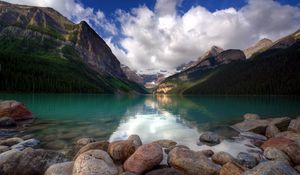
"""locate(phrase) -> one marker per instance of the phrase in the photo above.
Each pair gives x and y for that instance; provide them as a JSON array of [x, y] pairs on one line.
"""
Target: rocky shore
[[274, 148]]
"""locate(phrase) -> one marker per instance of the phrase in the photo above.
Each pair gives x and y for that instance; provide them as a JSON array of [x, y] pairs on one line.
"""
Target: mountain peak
[[259, 46], [214, 51]]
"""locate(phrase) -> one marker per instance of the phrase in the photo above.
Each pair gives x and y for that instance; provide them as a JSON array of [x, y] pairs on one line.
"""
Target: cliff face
[[62, 56], [132, 75], [92, 49], [258, 47]]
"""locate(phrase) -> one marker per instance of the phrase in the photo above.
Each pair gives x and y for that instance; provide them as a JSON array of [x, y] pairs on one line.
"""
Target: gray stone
[[11, 141], [4, 149], [272, 168], [247, 160], [32, 143], [65, 168], [136, 140], [253, 136], [222, 158], [7, 122], [210, 138]]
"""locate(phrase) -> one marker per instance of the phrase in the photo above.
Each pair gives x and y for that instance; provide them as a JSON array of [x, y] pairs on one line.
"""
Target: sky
[[153, 36]]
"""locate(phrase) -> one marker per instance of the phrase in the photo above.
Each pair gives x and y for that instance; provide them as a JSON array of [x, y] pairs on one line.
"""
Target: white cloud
[[162, 39], [75, 11]]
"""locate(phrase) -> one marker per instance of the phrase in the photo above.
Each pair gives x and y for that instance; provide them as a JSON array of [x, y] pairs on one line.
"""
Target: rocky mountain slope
[[46, 46], [260, 46], [212, 59], [132, 75], [274, 71]]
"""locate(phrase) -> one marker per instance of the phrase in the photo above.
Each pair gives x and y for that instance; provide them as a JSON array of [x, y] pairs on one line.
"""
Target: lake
[[61, 119]]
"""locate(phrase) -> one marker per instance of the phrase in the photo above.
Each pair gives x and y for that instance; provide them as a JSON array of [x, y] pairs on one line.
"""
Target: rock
[[253, 136], [30, 161], [136, 140], [207, 153], [94, 162], [4, 149], [164, 171], [127, 173], [271, 131], [251, 116], [232, 168], [84, 141], [257, 126], [167, 150], [33, 143], [102, 145], [281, 123], [222, 158], [144, 159], [192, 163], [290, 135], [247, 160], [65, 168], [295, 125], [210, 138], [15, 110], [7, 122], [297, 168], [288, 146], [166, 143], [275, 154], [272, 168], [11, 141], [121, 150], [56, 145]]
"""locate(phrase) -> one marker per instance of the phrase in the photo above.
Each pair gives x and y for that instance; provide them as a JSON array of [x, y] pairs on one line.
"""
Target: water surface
[[64, 118]]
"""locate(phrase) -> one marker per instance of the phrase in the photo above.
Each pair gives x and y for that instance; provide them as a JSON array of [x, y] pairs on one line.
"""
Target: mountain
[[212, 59], [132, 75], [42, 51], [258, 47], [274, 71]]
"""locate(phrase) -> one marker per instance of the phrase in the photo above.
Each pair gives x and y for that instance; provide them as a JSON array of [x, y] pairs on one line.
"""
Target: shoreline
[[271, 142]]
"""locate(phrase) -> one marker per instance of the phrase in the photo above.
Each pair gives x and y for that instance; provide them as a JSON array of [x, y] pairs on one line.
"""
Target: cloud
[[162, 39], [75, 11]]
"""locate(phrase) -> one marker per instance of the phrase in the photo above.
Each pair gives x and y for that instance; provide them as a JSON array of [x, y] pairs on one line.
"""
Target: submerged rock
[[222, 158], [11, 141], [257, 126], [32, 143], [7, 122], [30, 161], [136, 140], [15, 110], [94, 162], [165, 143], [121, 150], [232, 168], [210, 138], [84, 141], [253, 136], [272, 168], [192, 163], [247, 160], [144, 159], [251, 116], [65, 168], [4, 149]]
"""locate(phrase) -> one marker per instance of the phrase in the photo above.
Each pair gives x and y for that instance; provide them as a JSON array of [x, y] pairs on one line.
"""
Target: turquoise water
[[61, 119]]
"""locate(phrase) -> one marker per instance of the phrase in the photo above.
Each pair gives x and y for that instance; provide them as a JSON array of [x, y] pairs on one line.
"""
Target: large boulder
[[247, 160], [144, 159], [232, 168], [281, 123], [15, 110], [96, 162], [6, 122], [166, 143], [30, 161], [295, 125], [222, 158], [136, 140], [101, 145], [84, 141], [295, 136], [192, 163], [272, 168], [275, 154], [164, 171], [167, 150], [288, 146], [121, 150], [65, 168], [210, 138]]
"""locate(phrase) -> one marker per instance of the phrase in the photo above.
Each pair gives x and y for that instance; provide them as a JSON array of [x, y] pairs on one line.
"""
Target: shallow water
[[64, 118]]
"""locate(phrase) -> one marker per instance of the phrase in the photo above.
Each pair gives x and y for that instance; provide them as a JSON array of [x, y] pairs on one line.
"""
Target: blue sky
[[158, 35]]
